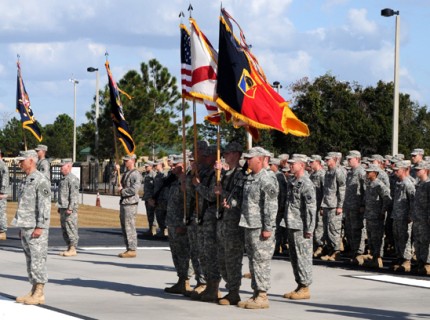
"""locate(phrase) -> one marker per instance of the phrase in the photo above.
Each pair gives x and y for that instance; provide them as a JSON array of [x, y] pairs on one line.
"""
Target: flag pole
[[218, 171], [184, 155], [196, 163]]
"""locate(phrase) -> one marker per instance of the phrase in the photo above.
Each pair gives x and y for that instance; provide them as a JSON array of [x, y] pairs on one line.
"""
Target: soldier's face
[[415, 158], [26, 165]]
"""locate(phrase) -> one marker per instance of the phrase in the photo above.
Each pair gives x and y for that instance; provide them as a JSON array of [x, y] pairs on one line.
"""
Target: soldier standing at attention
[[332, 206], [33, 217], [4, 185], [68, 200], [300, 218], [43, 164], [148, 192], [258, 215], [131, 182], [416, 157], [317, 178], [160, 204]]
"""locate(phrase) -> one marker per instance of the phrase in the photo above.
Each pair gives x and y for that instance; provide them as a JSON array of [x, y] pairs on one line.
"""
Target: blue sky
[[58, 40]]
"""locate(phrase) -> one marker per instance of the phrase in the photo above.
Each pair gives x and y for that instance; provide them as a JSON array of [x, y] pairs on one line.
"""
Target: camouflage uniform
[[258, 213], [300, 216], [161, 203], [421, 220], [68, 199], [178, 241], [230, 236], [44, 167], [377, 199], [4, 185], [281, 234], [333, 197], [353, 210], [131, 182], [317, 178], [402, 213], [34, 210], [148, 192]]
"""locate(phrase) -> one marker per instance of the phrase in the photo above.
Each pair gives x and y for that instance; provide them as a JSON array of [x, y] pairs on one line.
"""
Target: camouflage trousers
[[260, 254], [3, 215], [402, 239], [69, 227], [319, 230], [301, 256], [231, 244], [127, 217], [375, 236], [160, 214], [180, 250], [421, 231], [150, 214], [210, 247], [332, 228], [281, 233], [36, 253], [354, 230], [196, 250]]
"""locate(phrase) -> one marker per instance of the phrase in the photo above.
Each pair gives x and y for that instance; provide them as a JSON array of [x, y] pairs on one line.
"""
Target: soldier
[[421, 218], [68, 200], [230, 236], [258, 215], [131, 182], [148, 192], [353, 206], [300, 217], [33, 216], [177, 230], [416, 157], [162, 191], [317, 178], [332, 206], [281, 234], [4, 186], [43, 164], [402, 213], [380, 161], [377, 199]]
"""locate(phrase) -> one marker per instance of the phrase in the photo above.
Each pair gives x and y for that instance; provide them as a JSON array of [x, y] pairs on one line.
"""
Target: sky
[[58, 40]]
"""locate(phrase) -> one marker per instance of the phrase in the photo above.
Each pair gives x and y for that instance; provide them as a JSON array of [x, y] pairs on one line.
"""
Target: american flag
[[186, 69]]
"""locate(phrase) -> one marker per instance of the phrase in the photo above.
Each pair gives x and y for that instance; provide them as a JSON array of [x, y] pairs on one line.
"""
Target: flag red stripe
[[203, 73]]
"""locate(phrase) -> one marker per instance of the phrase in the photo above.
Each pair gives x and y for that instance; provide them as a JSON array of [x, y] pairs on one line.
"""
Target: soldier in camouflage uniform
[[4, 186], [377, 199], [281, 234], [300, 217], [131, 183], [43, 164], [421, 218], [162, 192], [68, 200], [258, 215], [33, 217], [177, 230], [148, 192], [353, 206], [402, 213], [332, 206], [317, 178], [417, 156], [380, 161], [230, 236]]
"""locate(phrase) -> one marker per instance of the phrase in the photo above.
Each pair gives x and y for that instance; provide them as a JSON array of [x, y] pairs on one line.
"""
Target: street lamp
[[75, 82], [277, 85], [96, 145], [389, 13]]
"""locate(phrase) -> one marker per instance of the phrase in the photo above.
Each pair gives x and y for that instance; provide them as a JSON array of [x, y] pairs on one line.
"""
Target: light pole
[[277, 85], [75, 82], [388, 13], [96, 144]]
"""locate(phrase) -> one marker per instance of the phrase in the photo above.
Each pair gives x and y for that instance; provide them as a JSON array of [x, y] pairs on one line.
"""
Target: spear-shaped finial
[[18, 56], [106, 55], [190, 9]]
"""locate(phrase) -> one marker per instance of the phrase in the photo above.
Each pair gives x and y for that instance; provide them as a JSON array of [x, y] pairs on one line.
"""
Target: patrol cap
[[201, 145], [422, 165], [372, 168], [283, 157], [388, 157], [275, 161], [233, 147], [129, 157], [66, 161], [402, 164], [400, 156], [210, 150], [315, 157], [147, 163], [286, 169], [255, 152], [159, 162], [417, 151], [177, 160], [427, 158], [331, 155], [353, 154], [298, 157], [26, 154], [41, 147], [377, 157]]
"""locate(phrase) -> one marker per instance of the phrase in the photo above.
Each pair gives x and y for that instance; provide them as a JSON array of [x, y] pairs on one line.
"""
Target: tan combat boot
[[288, 294], [211, 293], [153, 230], [128, 254], [247, 275], [3, 236], [301, 294], [406, 266], [318, 252], [242, 304], [327, 256], [427, 269], [230, 299], [334, 257], [177, 288], [259, 302], [38, 296], [375, 263], [21, 299], [71, 252], [198, 291]]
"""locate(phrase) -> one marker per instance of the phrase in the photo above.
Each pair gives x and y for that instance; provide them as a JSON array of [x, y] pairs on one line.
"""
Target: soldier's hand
[[307, 235], [58, 210], [321, 212], [266, 234], [217, 189], [68, 211], [218, 165], [225, 204], [151, 202], [339, 211], [196, 181], [37, 232], [181, 230], [119, 188], [3, 196]]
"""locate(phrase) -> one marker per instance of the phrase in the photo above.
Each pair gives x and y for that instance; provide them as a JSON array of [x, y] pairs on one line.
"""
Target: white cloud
[[358, 22]]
